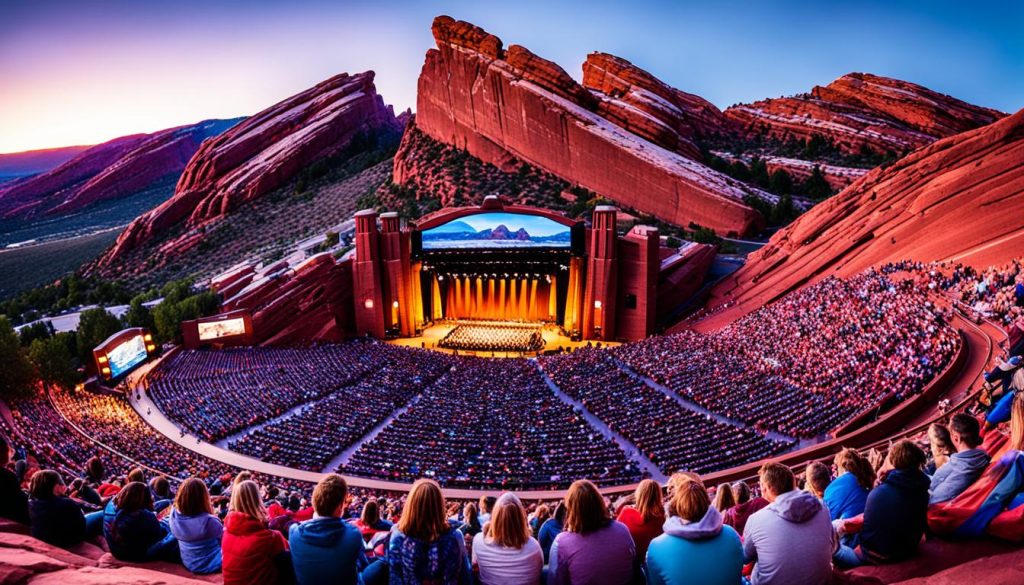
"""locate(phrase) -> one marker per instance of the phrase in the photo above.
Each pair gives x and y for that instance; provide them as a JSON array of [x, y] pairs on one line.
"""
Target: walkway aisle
[[347, 454], [700, 409], [627, 446]]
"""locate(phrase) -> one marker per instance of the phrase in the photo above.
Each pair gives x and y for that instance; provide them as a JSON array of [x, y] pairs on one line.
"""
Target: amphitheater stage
[[434, 337]]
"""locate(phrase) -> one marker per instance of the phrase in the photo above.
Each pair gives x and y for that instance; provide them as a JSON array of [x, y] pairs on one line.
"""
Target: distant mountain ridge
[[32, 162], [116, 168]]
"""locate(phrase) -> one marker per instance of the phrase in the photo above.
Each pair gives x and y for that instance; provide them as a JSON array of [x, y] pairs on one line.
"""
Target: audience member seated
[[54, 518], [817, 478], [252, 553], [745, 507], [506, 553], [895, 517], [135, 534], [940, 445], [369, 522], [848, 493], [791, 541], [327, 549], [13, 501], [645, 518], [965, 466], [424, 548], [196, 527], [592, 549], [697, 548], [550, 530]]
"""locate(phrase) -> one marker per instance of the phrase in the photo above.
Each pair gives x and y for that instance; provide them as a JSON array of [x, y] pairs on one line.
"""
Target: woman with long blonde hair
[[724, 498], [645, 517], [506, 553], [593, 549], [252, 553], [424, 547]]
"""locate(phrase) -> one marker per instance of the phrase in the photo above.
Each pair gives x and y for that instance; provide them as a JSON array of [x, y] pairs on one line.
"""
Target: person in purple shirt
[[592, 549]]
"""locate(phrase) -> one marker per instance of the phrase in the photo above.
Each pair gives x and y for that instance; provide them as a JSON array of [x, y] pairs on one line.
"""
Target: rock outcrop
[[860, 110], [510, 106], [960, 199], [264, 152], [648, 107], [310, 302], [114, 169]]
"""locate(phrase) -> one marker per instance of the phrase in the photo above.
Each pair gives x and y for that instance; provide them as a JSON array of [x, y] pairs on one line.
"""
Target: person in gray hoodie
[[965, 466], [791, 541]]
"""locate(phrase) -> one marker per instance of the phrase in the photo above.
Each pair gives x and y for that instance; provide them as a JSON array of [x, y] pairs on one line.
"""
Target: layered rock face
[[312, 302], [263, 152], [861, 110], [510, 106], [114, 169], [648, 107], [961, 199]]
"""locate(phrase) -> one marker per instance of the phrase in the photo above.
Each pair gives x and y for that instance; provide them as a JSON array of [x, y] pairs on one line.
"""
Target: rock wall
[[960, 199], [862, 110], [262, 153], [509, 105]]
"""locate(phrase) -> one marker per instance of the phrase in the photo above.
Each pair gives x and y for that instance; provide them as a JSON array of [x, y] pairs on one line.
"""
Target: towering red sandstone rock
[[509, 106], [263, 152], [648, 107], [860, 109], [114, 169], [960, 199]]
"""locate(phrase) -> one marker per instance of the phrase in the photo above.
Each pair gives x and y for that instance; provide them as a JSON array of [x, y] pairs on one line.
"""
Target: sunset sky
[[84, 72]]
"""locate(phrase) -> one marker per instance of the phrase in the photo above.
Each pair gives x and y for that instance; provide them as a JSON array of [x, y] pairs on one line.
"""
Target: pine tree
[[816, 186]]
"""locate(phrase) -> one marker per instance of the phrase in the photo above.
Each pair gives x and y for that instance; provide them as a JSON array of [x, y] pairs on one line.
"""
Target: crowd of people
[[866, 508], [491, 422], [217, 393], [518, 338], [810, 361], [669, 434], [312, 437]]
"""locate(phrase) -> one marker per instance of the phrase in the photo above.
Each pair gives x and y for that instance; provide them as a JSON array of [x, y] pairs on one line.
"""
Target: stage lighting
[[395, 304], [597, 305], [368, 303]]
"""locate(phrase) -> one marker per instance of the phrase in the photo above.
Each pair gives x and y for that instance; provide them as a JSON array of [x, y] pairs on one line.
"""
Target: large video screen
[[127, 355], [218, 329], [498, 230]]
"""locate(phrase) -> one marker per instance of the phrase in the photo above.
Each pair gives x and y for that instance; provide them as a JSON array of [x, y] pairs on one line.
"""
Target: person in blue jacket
[[696, 546], [197, 528], [846, 496], [551, 528], [327, 549]]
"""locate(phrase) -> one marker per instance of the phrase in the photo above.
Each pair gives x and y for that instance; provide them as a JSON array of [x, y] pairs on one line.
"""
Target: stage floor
[[553, 339]]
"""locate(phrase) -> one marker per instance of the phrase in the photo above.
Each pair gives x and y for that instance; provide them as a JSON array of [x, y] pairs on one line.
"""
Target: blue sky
[[75, 72], [534, 224]]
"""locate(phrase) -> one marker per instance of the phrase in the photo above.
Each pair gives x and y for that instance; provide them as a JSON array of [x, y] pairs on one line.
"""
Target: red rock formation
[[263, 152], [860, 109], [681, 275], [838, 177], [312, 302], [508, 107], [648, 107], [114, 169], [960, 199]]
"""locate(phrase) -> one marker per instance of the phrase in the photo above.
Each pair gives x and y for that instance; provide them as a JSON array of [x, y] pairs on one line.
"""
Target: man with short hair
[[327, 549], [965, 466], [792, 539]]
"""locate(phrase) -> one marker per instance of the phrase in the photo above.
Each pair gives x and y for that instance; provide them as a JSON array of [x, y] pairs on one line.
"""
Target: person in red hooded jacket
[[253, 554]]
